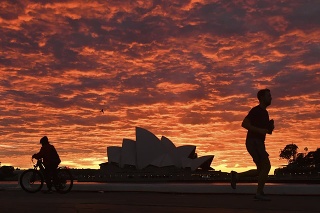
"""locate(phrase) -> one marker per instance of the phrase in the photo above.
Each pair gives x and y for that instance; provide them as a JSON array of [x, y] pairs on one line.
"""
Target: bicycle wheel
[[64, 181], [31, 180]]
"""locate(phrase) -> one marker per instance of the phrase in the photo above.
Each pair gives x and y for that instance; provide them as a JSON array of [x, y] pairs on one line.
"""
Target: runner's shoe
[[261, 197], [233, 179]]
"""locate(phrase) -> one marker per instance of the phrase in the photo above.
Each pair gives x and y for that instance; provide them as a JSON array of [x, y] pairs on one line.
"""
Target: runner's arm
[[247, 125]]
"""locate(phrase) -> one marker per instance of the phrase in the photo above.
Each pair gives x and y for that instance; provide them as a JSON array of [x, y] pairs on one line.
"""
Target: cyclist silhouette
[[51, 160]]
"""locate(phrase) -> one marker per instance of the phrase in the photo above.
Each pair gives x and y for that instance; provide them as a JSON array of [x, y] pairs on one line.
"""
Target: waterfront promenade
[[177, 197]]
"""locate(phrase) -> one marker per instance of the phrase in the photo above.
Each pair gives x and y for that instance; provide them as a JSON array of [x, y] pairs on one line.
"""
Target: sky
[[185, 69]]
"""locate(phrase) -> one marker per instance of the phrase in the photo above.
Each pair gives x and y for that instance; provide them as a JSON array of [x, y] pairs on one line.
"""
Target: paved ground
[[16, 201], [162, 197], [201, 188]]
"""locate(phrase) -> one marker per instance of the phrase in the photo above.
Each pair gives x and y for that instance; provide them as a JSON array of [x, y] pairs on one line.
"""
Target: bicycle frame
[[39, 165]]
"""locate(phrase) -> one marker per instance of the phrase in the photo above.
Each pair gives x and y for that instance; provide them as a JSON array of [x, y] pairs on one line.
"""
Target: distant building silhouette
[[6, 172], [148, 150]]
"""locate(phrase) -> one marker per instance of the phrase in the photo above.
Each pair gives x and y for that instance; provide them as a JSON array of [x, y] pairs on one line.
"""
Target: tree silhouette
[[316, 156], [299, 163], [289, 152]]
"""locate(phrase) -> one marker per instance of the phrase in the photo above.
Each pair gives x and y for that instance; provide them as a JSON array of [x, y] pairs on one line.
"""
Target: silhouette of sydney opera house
[[148, 153]]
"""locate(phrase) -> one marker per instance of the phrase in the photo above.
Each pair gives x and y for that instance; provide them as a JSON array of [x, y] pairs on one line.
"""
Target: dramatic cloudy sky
[[185, 69]]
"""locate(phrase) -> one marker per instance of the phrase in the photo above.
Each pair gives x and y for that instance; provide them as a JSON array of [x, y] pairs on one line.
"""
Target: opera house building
[[151, 157]]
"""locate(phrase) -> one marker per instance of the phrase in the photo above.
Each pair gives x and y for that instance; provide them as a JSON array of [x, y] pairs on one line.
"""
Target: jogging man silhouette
[[258, 125]]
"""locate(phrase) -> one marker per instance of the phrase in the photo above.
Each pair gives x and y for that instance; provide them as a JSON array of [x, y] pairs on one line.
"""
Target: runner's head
[[264, 97]]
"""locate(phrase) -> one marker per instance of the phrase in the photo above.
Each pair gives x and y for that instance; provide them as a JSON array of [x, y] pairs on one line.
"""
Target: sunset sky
[[185, 69]]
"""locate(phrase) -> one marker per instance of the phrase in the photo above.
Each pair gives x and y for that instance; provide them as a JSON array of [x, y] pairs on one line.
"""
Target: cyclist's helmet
[[44, 140]]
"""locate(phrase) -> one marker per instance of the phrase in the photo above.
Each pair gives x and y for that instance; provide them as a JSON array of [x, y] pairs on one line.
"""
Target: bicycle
[[32, 180]]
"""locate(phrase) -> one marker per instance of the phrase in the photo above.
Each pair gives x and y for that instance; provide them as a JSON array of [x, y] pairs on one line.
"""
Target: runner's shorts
[[256, 149]]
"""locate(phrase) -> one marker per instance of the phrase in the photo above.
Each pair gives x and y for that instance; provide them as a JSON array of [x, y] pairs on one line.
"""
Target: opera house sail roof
[[148, 150]]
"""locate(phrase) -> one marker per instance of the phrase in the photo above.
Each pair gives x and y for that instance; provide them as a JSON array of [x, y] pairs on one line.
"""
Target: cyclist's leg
[[49, 172], [55, 174]]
